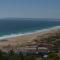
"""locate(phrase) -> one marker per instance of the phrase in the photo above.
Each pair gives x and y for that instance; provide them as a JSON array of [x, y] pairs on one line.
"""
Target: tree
[[11, 52], [52, 56]]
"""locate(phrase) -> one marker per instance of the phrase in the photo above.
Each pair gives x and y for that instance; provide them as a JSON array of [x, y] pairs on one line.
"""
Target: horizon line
[[26, 18]]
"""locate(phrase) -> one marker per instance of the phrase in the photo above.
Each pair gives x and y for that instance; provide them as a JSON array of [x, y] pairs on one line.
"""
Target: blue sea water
[[13, 27]]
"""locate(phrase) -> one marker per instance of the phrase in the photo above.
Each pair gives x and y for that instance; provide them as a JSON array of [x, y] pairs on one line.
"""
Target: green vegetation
[[11, 55], [51, 38], [55, 40], [52, 56]]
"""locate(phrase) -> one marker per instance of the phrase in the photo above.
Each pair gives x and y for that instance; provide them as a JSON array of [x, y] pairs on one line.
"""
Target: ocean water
[[12, 28]]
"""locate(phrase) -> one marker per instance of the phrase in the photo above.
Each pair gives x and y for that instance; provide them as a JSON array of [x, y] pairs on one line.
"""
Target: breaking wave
[[27, 33]]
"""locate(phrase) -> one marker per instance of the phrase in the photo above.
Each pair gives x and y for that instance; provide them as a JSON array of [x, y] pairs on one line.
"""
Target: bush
[[52, 56]]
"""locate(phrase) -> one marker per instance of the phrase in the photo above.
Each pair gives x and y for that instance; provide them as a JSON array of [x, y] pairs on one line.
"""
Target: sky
[[30, 8]]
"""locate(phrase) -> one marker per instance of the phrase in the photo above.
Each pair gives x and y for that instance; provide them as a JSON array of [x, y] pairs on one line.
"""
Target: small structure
[[34, 49]]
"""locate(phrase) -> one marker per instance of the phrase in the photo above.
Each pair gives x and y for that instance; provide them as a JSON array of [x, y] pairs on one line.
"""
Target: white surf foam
[[15, 35]]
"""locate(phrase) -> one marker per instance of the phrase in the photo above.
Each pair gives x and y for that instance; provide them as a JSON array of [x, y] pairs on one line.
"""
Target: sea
[[19, 26]]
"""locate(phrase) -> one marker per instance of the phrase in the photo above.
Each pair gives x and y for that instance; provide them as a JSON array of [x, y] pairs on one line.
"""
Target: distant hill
[[42, 19]]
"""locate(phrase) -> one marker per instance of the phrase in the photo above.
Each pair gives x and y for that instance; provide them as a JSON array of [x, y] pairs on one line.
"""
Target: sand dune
[[20, 40]]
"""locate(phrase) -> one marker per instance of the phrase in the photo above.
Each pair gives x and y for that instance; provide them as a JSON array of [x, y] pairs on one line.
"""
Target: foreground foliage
[[11, 55]]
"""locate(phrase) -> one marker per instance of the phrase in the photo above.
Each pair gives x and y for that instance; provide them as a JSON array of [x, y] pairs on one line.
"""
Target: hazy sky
[[30, 8]]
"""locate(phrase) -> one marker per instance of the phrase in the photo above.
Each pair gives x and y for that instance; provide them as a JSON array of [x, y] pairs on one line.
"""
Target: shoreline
[[21, 40], [28, 33]]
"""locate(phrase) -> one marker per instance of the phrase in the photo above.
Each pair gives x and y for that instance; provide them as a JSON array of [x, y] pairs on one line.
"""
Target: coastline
[[29, 37], [28, 33]]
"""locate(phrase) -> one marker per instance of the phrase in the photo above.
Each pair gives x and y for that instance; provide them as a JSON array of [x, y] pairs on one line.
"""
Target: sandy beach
[[21, 40]]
